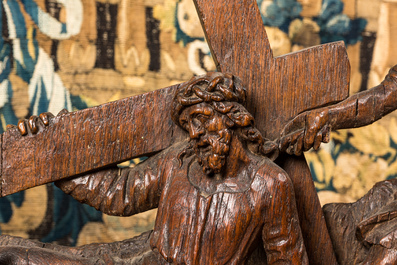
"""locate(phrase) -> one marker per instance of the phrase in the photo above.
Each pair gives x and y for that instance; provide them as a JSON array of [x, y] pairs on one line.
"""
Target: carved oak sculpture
[[220, 199], [217, 194], [141, 125]]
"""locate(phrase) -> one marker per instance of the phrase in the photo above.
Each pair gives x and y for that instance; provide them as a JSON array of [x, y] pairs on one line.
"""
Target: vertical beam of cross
[[277, 90]]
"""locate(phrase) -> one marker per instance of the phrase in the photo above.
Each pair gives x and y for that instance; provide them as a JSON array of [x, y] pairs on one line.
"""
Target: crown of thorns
[[213, 88]]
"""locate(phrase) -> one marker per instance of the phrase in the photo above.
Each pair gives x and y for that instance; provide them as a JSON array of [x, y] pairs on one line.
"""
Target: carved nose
[[195, 131]]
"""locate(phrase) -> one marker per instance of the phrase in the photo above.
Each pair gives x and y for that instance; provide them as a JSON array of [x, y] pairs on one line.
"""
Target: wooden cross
[[277, 90]]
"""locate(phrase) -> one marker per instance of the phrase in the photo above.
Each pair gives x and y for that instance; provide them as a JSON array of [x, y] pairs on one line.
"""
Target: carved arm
[[114, 191], [281, 234], [119, 191], [366, 107], [310, 128]]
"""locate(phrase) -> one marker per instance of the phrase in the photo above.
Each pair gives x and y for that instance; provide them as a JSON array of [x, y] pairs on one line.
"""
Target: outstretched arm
[[114, 191], [311, 128], [117, 191]]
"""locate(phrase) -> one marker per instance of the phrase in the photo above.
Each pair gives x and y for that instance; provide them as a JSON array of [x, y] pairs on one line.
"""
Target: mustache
[[211, 151], [216, 143]]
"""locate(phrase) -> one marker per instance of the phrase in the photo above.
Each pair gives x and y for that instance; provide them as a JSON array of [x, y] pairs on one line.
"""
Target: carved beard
[[212, 150]]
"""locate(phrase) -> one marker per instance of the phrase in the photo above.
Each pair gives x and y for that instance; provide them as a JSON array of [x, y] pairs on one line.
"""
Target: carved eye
[[202, 118], [196, 122], [183, 122]]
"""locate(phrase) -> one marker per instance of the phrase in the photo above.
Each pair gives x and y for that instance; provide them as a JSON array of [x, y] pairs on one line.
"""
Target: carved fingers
[[32, 123], [35, 124], [292, 143], [292, 136], [307, 130], [271, 149], [45, 118], [317, 129]]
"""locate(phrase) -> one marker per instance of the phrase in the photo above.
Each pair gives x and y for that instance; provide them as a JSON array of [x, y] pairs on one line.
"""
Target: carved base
[[134, 251], [16, 250]]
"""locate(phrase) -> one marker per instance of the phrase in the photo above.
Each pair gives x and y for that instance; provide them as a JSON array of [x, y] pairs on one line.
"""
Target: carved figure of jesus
[[217, 194]]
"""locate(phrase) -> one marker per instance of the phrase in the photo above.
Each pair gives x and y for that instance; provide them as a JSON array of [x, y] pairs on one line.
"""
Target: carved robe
[[201, 220]]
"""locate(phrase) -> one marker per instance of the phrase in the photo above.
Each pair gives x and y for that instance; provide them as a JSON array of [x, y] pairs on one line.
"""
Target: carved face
[[210, 133]]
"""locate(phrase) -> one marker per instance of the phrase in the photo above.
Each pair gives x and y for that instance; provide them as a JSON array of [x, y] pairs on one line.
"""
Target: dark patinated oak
[[93, 138], [277, 90], [219, 199]]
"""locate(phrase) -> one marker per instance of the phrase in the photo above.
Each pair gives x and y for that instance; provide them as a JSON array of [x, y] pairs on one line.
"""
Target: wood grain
[[84, 140], [315, 235], [277, 90]]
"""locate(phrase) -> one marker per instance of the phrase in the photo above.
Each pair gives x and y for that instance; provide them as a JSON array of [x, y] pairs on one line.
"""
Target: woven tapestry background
[[75, 54]]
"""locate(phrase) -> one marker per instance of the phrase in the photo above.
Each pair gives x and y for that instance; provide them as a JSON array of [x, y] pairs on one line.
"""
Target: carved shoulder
[[271, 179]]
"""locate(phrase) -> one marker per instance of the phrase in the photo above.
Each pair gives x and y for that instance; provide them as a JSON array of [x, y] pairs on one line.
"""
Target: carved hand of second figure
[[35, 123], [312, 127], [271, 149], [308, 129]]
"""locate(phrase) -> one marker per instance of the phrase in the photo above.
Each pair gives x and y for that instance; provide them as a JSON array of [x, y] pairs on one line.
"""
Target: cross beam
[[277, 90], [93, 138]]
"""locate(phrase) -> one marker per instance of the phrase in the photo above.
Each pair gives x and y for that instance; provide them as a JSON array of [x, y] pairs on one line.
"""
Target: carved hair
[[226, 95], [211, 88]]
